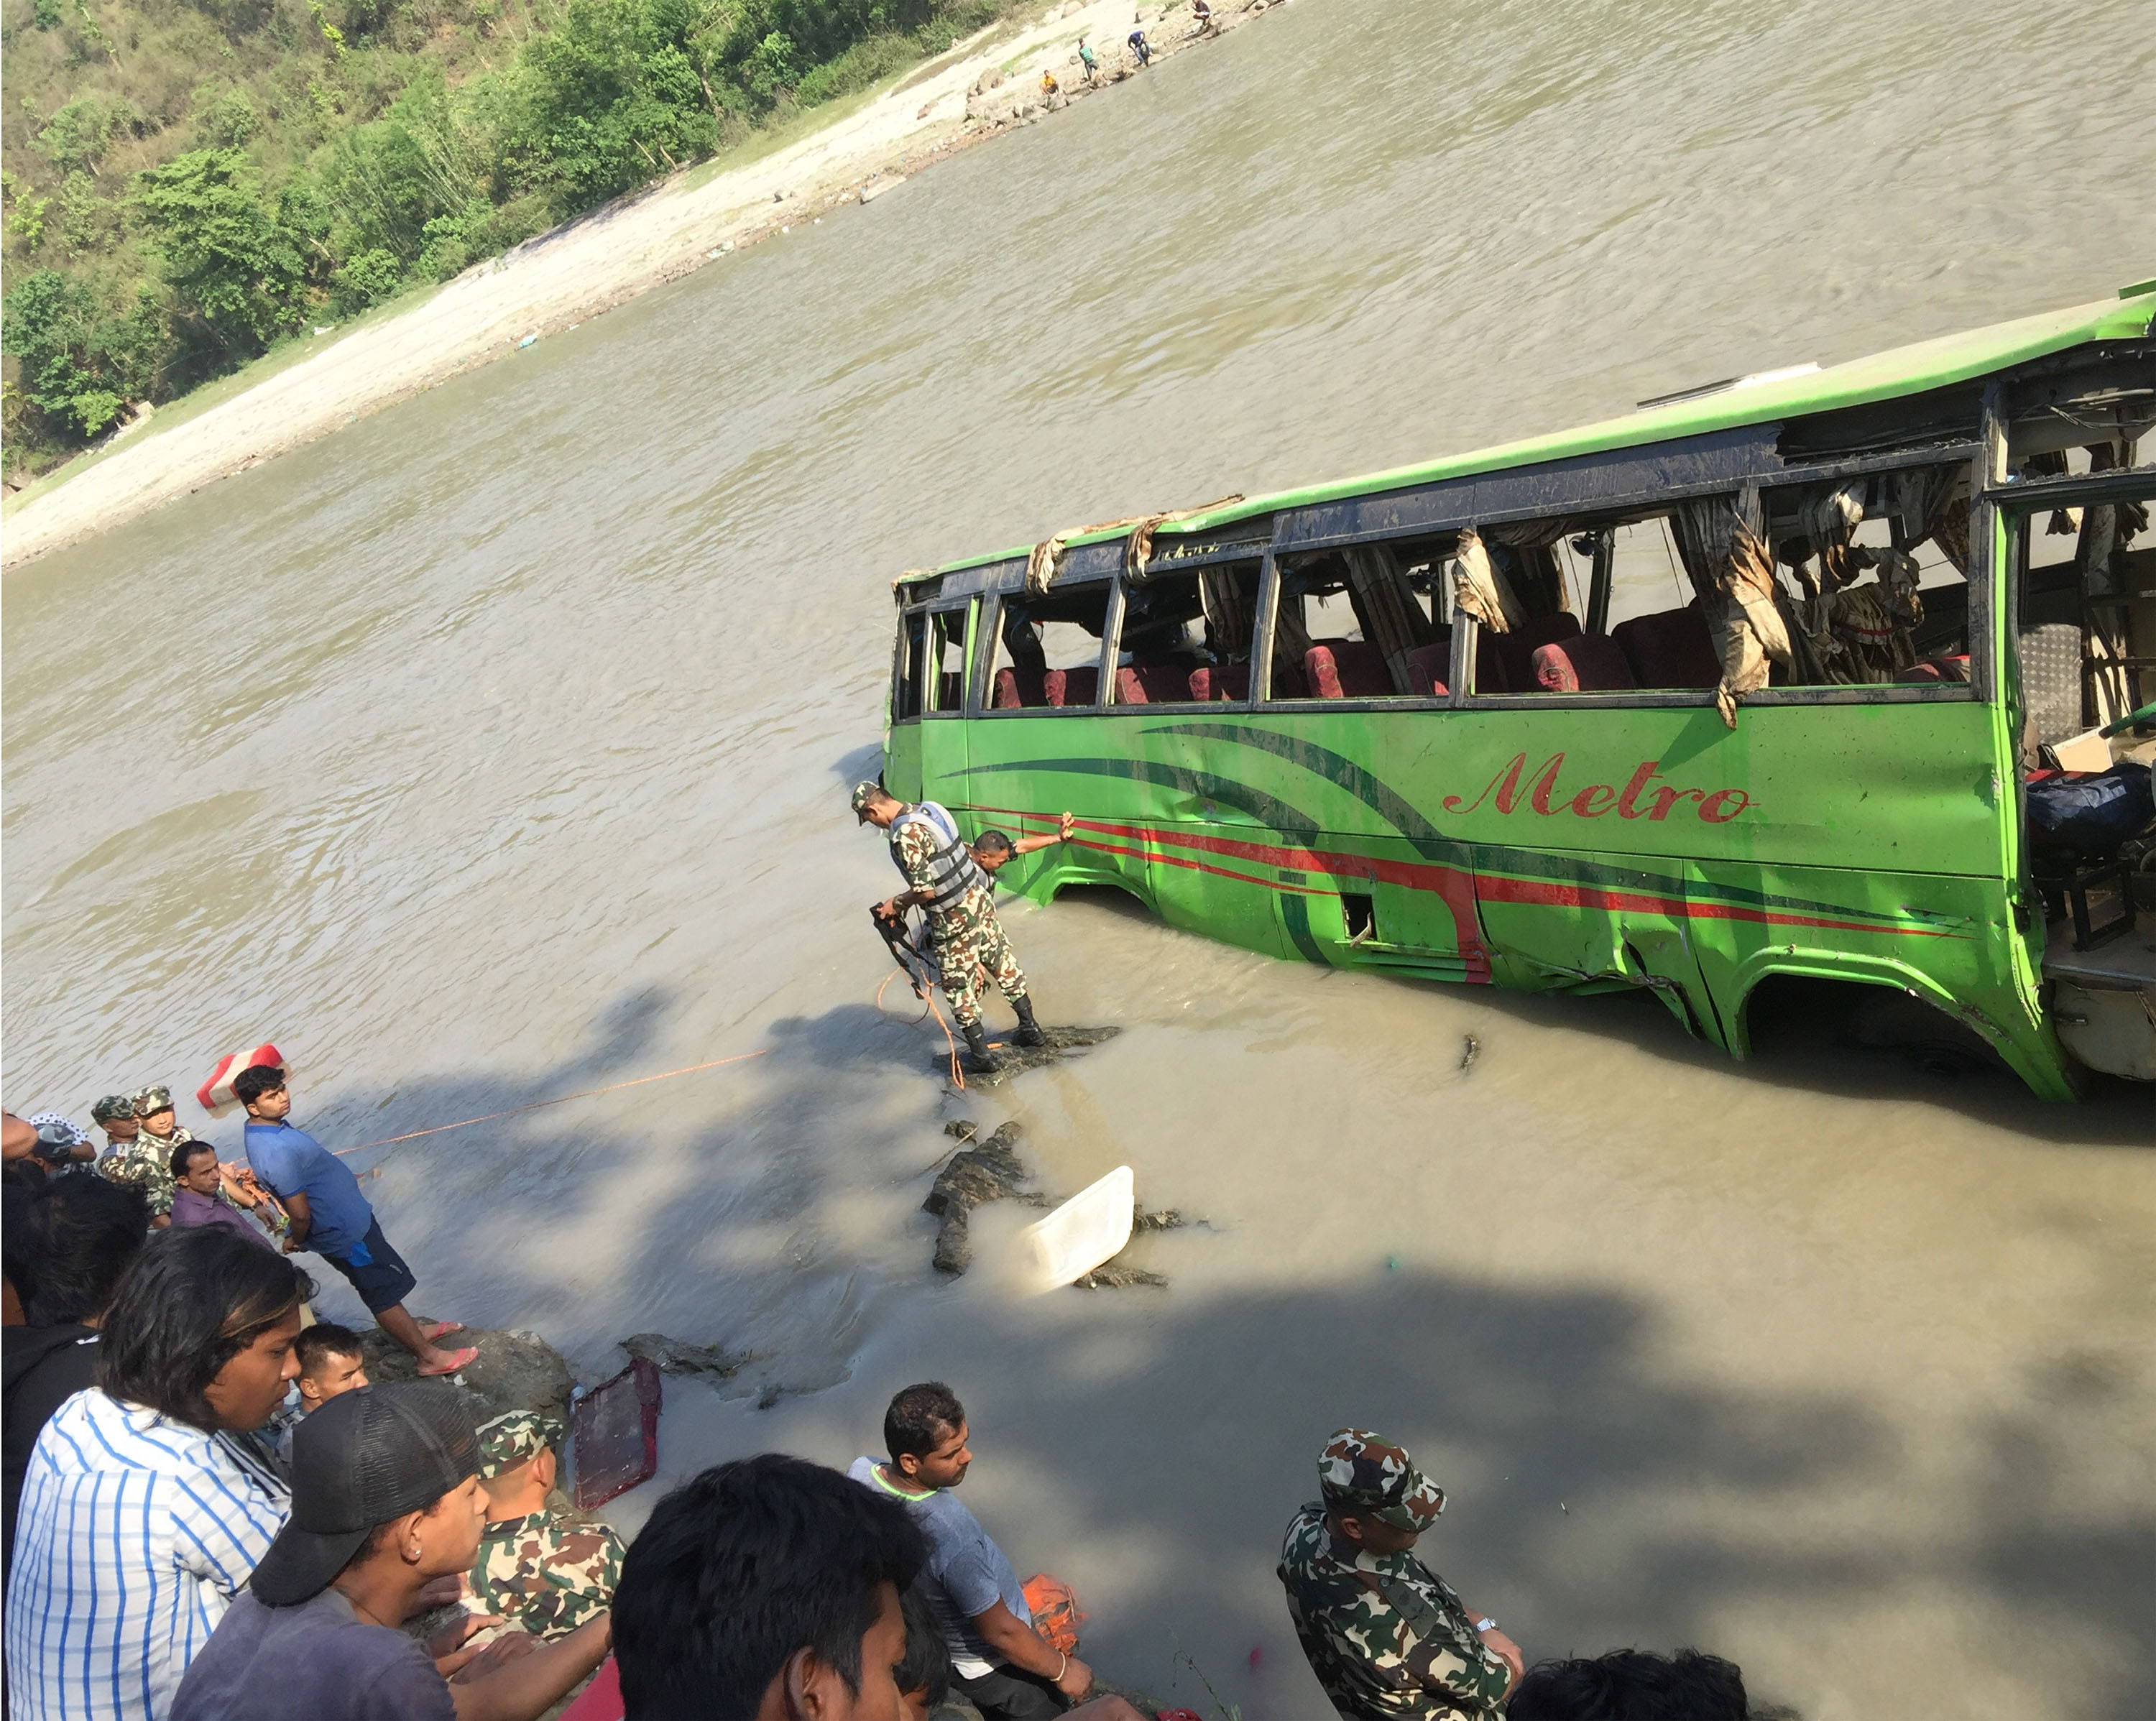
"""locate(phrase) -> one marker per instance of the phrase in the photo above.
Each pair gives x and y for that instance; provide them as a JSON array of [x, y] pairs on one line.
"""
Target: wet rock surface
[[513, 1371], [1013, 1060], [991, 1170], [678, 1356]]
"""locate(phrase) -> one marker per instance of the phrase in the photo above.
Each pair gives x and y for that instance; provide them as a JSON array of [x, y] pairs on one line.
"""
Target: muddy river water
[[495, 749]]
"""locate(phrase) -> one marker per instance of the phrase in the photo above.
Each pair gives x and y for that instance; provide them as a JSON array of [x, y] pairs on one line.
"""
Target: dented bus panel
[[1731, 689]]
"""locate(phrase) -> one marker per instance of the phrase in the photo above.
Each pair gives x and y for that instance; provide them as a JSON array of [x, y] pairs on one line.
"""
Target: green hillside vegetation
[[189, 181]]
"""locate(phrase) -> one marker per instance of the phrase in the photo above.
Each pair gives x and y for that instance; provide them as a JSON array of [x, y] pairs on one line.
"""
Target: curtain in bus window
[[1933, 502], [1230, 617], [1478, 588], [1531, 565], [1043, 563], [1722, 542], [2106, 530], [1852, 635], [1385, 605]]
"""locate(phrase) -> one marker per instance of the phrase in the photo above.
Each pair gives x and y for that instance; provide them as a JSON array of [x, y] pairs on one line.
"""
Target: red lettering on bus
[[1641, 796], [1545, 783], [1507, 785], [1628, 802]]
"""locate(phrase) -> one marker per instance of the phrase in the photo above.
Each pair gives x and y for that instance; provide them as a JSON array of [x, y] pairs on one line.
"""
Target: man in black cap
[[385, 1499]]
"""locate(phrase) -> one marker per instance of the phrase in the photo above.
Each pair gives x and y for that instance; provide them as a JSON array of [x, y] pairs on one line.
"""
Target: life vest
[[953, 870]]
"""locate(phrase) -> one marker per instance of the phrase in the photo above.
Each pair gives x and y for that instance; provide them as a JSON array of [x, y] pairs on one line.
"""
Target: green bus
[[1745, 688]]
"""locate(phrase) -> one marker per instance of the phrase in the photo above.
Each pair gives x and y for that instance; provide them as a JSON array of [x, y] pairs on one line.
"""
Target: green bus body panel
[[1571, 848]]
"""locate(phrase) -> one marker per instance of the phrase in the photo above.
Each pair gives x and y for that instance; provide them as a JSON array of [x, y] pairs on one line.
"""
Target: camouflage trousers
[[972, 950]]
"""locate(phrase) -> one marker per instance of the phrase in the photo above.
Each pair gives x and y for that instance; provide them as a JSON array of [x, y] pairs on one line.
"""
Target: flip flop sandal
[[458, 1360], [431, 1330]]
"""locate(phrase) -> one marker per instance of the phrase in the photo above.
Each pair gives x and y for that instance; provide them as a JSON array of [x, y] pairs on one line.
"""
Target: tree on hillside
[[78, 364], [235, 263]]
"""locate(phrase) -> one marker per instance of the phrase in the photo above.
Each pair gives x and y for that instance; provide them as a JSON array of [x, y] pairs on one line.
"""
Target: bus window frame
[[988, 624], [932, 687], [906, 615], [1167, 565]]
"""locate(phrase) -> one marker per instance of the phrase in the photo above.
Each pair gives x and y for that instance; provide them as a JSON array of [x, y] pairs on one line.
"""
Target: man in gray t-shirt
[[1006, 1668]]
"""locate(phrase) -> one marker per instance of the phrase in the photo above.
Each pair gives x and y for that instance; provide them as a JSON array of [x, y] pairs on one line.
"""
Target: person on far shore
[[1089, 59], [331, 1217], [82, 1235], [1386, 1636], [385, 1502], [141, 1513], [1140, 51], [204, 1193], [134, 1159], [1007, 1670]]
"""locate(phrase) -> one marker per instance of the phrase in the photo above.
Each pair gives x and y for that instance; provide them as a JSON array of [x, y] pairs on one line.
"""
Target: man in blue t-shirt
[[331, 1217], [1006, 1668]]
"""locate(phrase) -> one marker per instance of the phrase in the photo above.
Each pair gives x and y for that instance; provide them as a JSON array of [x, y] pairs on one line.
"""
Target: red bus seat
[[1429, 664], [1590, 664], [1670, 648], [1015, 688], [1220, 681], [1072, 686], [1157, 682], [1517, 650], [1347, 668]]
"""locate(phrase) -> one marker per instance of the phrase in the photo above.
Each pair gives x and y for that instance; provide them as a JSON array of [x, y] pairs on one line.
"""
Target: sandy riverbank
[[581, 270]]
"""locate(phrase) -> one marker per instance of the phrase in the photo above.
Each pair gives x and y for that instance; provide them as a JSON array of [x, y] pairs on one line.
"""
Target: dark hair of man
[[1632, 1685], [920, 1418], [84, 1234], [325, 1339], [251, 1083], [926, 1667], [193, 1301], [183, 1156], [993, 842], [742, 1567]]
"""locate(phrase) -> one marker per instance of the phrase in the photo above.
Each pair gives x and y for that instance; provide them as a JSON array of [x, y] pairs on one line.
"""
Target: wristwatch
[[1485, 1624]]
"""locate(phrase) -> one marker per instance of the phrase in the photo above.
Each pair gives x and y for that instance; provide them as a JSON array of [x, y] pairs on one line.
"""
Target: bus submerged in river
[[1744, 690]]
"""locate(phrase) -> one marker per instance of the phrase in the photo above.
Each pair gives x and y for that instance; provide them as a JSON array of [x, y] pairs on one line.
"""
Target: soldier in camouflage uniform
[[946, 882], [1386, 1636], [535, 1569], [145, 1160]]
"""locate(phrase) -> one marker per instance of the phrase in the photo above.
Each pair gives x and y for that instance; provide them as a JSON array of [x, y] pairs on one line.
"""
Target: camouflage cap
[[863, 794], [149, 1101], [1365, 1473], [515, 1439], [113, 1105]]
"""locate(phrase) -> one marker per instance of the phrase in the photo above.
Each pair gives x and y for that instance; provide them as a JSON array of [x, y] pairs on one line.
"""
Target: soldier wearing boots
[[945, 881]]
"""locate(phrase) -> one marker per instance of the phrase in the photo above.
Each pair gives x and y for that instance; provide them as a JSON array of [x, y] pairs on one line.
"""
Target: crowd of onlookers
[[212, 1515]]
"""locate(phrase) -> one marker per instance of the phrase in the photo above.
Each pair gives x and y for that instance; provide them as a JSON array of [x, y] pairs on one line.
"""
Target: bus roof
[[1774, 396]]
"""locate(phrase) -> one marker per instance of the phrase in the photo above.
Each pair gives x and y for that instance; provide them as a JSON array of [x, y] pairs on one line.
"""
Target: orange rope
[[559, 1100], [928, 1008]]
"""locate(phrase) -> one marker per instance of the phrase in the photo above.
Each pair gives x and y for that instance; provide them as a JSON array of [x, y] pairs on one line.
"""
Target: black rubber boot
[[1029, 1031], [978, 1058]]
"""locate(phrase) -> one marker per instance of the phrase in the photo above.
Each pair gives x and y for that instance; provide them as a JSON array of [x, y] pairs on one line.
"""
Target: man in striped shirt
[[142, 1515]]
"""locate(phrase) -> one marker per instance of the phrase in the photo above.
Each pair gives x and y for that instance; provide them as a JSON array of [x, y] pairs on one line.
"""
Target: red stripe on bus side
[[1447, 881]]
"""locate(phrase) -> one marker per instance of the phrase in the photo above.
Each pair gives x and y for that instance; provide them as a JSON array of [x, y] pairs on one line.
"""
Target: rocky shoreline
[[580, 271]]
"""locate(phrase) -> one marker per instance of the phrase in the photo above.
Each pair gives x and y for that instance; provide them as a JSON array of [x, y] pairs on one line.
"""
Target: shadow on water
[[1603, 1495]]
